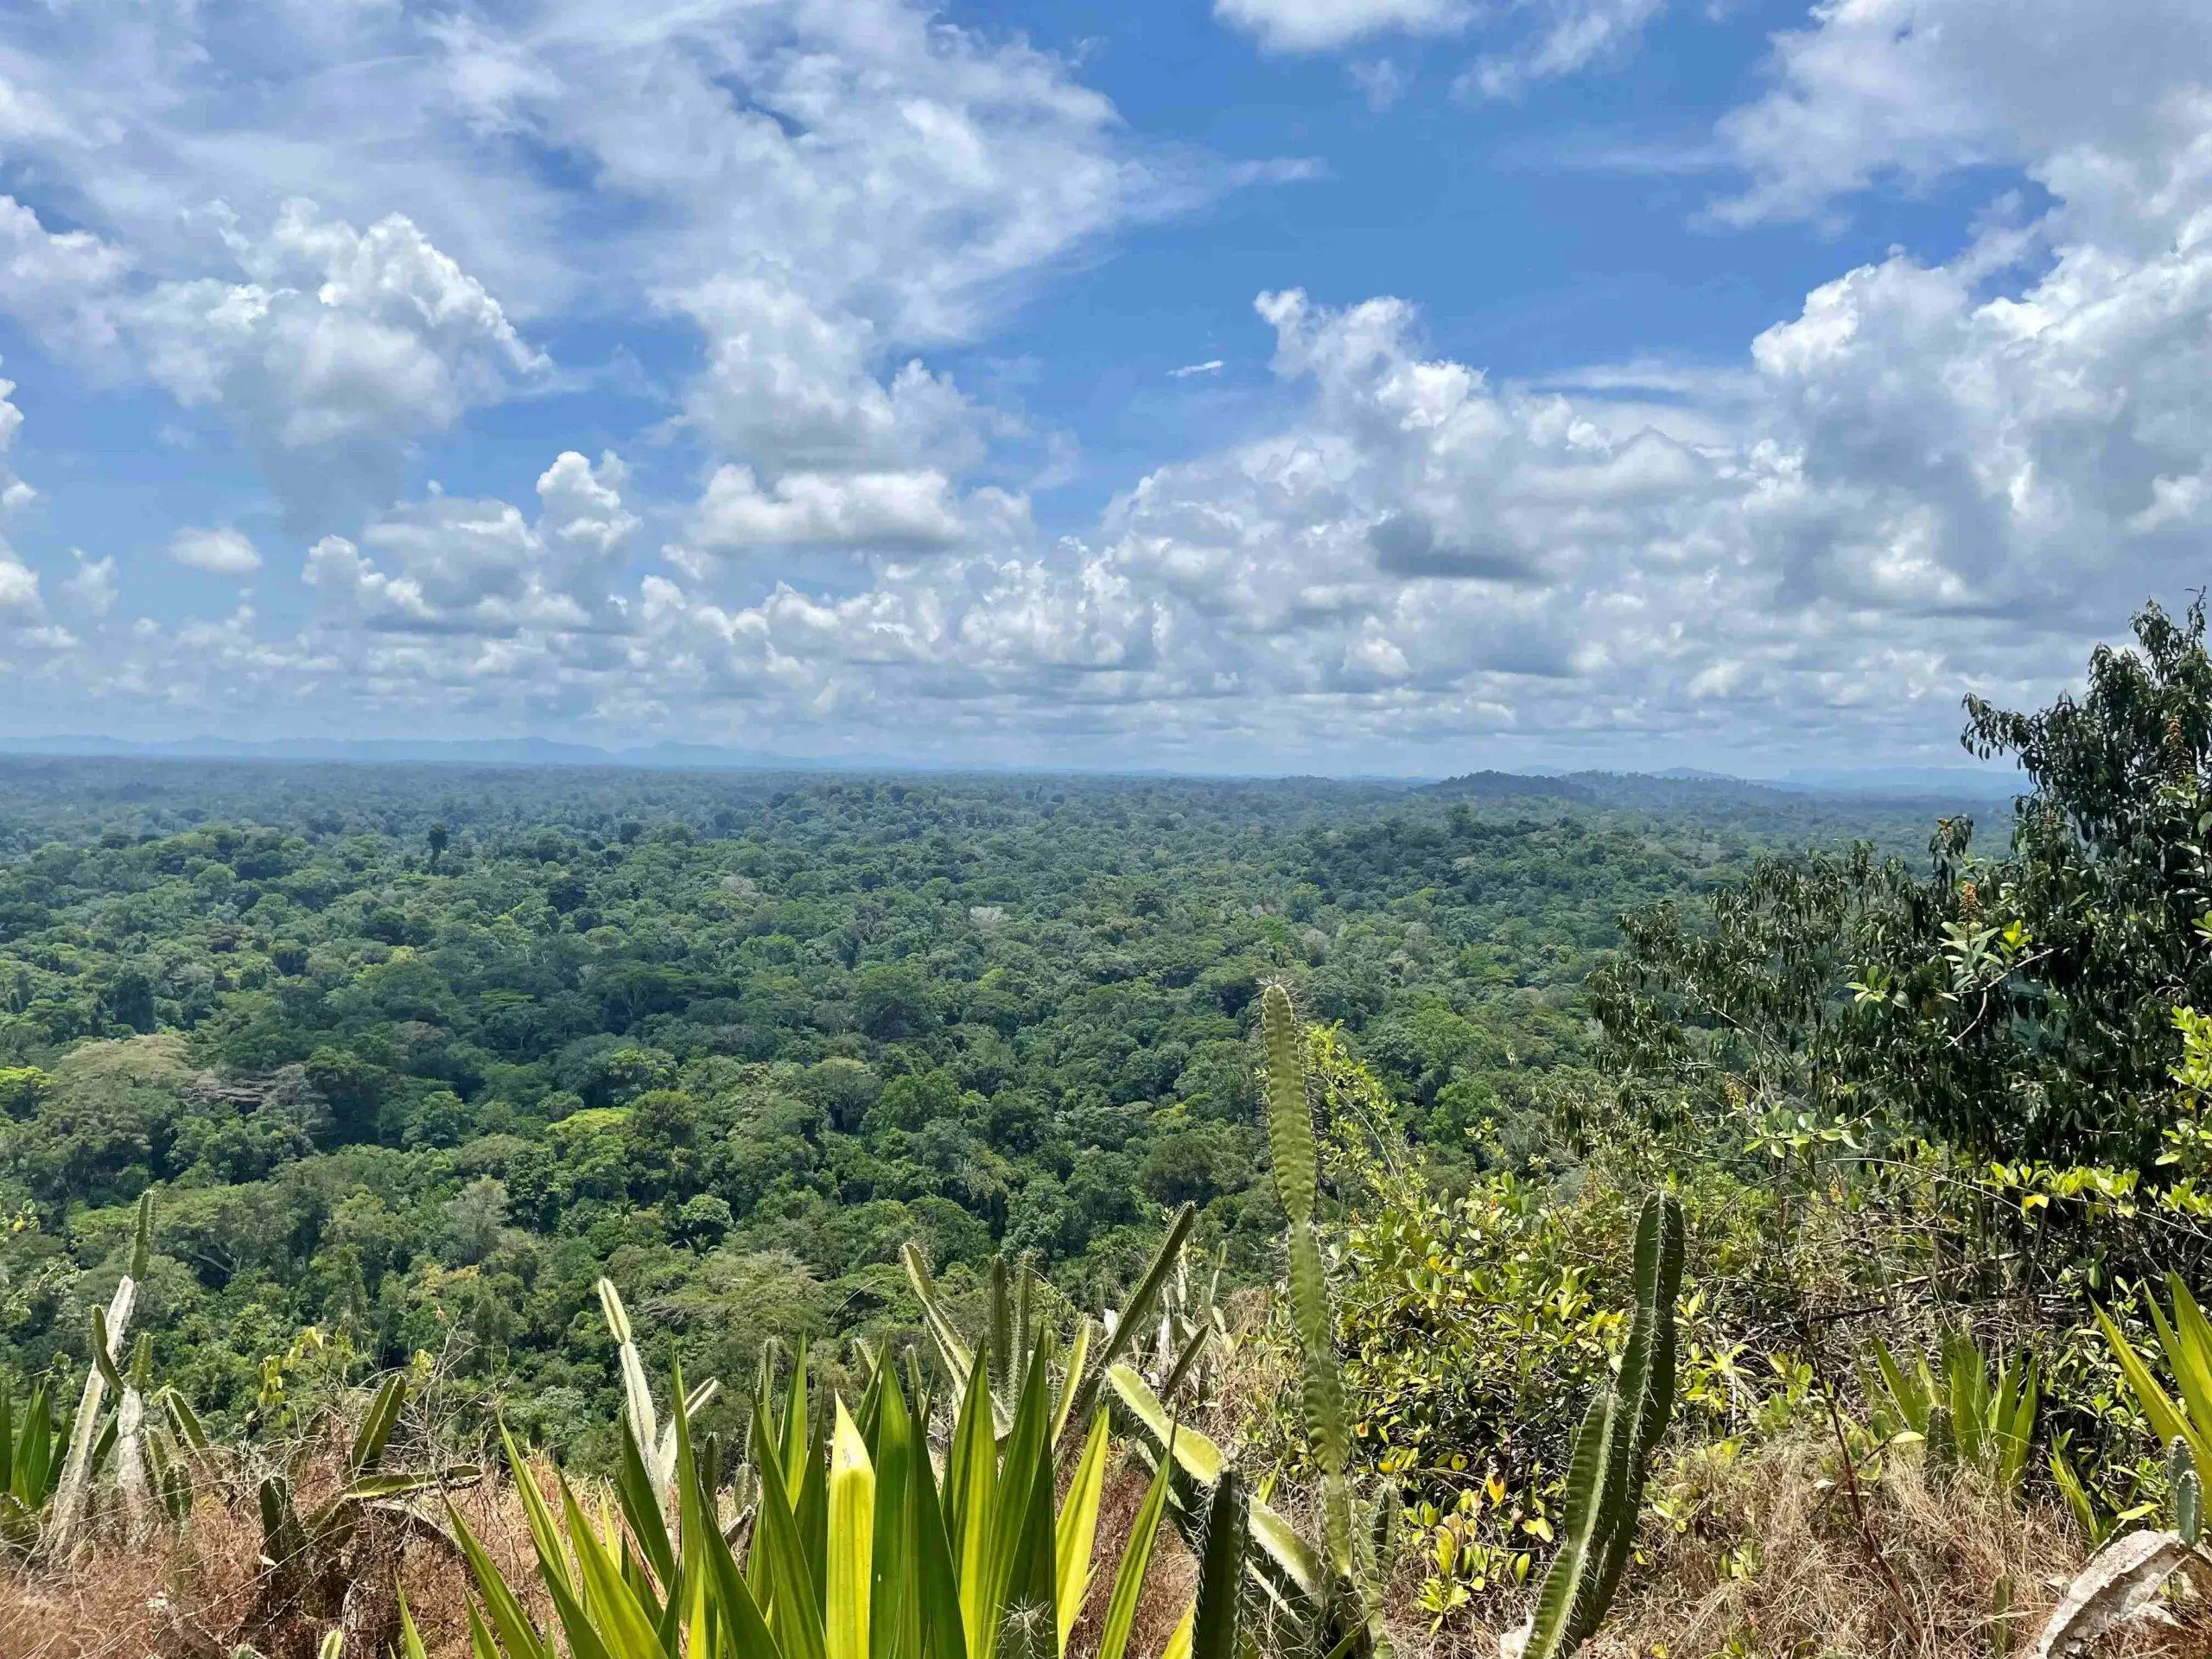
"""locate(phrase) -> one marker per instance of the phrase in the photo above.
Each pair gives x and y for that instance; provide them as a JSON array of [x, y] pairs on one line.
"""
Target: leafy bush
[[2017, 1006]]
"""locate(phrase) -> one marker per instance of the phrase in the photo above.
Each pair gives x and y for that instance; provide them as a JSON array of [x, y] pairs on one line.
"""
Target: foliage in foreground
[[1962, 1110], [857, 1548]]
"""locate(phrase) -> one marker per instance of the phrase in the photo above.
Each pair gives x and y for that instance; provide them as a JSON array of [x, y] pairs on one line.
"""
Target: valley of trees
[[415, 1056]]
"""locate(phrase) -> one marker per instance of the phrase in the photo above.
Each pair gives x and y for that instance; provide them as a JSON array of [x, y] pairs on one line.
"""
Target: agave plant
[[1017, 1326], [2128, 1568], [1962, 1410], [314, 1560], [2186, 1342], [1190, 1341], [859, 1548], [29, 1471]]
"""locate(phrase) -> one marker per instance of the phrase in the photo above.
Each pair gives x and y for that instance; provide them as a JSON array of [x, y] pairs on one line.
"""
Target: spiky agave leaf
[[946, 1341], [1136, 1312], [848, 1586], [1287, 1566], [1136, 1555], [1907, 1390], [1077, 1531], [1073, 1375], [1011, 1321], [2018, 1396], [883, 1566]]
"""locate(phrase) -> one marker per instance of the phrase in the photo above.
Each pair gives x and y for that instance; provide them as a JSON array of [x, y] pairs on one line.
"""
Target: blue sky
[[1328, 384]]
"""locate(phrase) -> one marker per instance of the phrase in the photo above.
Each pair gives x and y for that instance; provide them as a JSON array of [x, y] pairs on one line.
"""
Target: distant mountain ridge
[[493, 752], [1683, 786], [1675, 787]]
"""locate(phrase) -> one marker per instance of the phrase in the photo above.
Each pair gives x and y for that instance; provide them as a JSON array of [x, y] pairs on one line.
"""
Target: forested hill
[[415, 1053]]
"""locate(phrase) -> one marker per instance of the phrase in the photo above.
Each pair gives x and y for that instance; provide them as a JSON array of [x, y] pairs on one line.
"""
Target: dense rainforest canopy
[[414, 1055]]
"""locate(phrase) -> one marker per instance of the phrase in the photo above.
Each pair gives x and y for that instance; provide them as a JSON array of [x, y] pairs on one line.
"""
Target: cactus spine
[[2186, 1491], [1290, 1140], [1604, 1482]]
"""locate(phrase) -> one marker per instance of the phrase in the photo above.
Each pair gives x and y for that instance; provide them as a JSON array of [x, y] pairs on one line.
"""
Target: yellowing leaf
[[852, 1541]]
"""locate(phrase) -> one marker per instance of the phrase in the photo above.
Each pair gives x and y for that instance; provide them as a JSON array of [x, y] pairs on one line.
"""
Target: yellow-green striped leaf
[[1077, 1530], [1136, 1556], [1179, 1639], [850, 1583]]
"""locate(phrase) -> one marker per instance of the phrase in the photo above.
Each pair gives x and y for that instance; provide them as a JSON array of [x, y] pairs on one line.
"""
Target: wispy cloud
[[1212, 365]]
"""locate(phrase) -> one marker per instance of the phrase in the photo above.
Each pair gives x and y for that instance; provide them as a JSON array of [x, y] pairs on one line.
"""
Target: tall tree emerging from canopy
[[2018, 1005]]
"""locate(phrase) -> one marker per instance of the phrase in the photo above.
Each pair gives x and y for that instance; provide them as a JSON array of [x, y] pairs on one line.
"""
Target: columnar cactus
[[1349, 1525], [1331, 1589], [1604, 1481]]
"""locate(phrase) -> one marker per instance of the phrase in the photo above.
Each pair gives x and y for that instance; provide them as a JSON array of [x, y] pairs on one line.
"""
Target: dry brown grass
[[1167, 1587], [200, 1593], [1774, 1563]]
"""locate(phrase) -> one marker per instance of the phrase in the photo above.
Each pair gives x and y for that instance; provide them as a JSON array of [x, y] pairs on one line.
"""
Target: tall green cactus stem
[[2186, 1492], [1218, 1615], [1290, 1140], [1334, 1591], [1604, 1481], [636, 1393], [1350, 1550]]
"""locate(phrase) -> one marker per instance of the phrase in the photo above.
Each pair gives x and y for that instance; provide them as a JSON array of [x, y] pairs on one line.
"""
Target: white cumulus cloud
[[1932, 475], [2107, 108], [882, 510], [337, 350], [93, 585], [221, 551], [1324, 25], [820, 188], [460, 566], [14, 493]]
